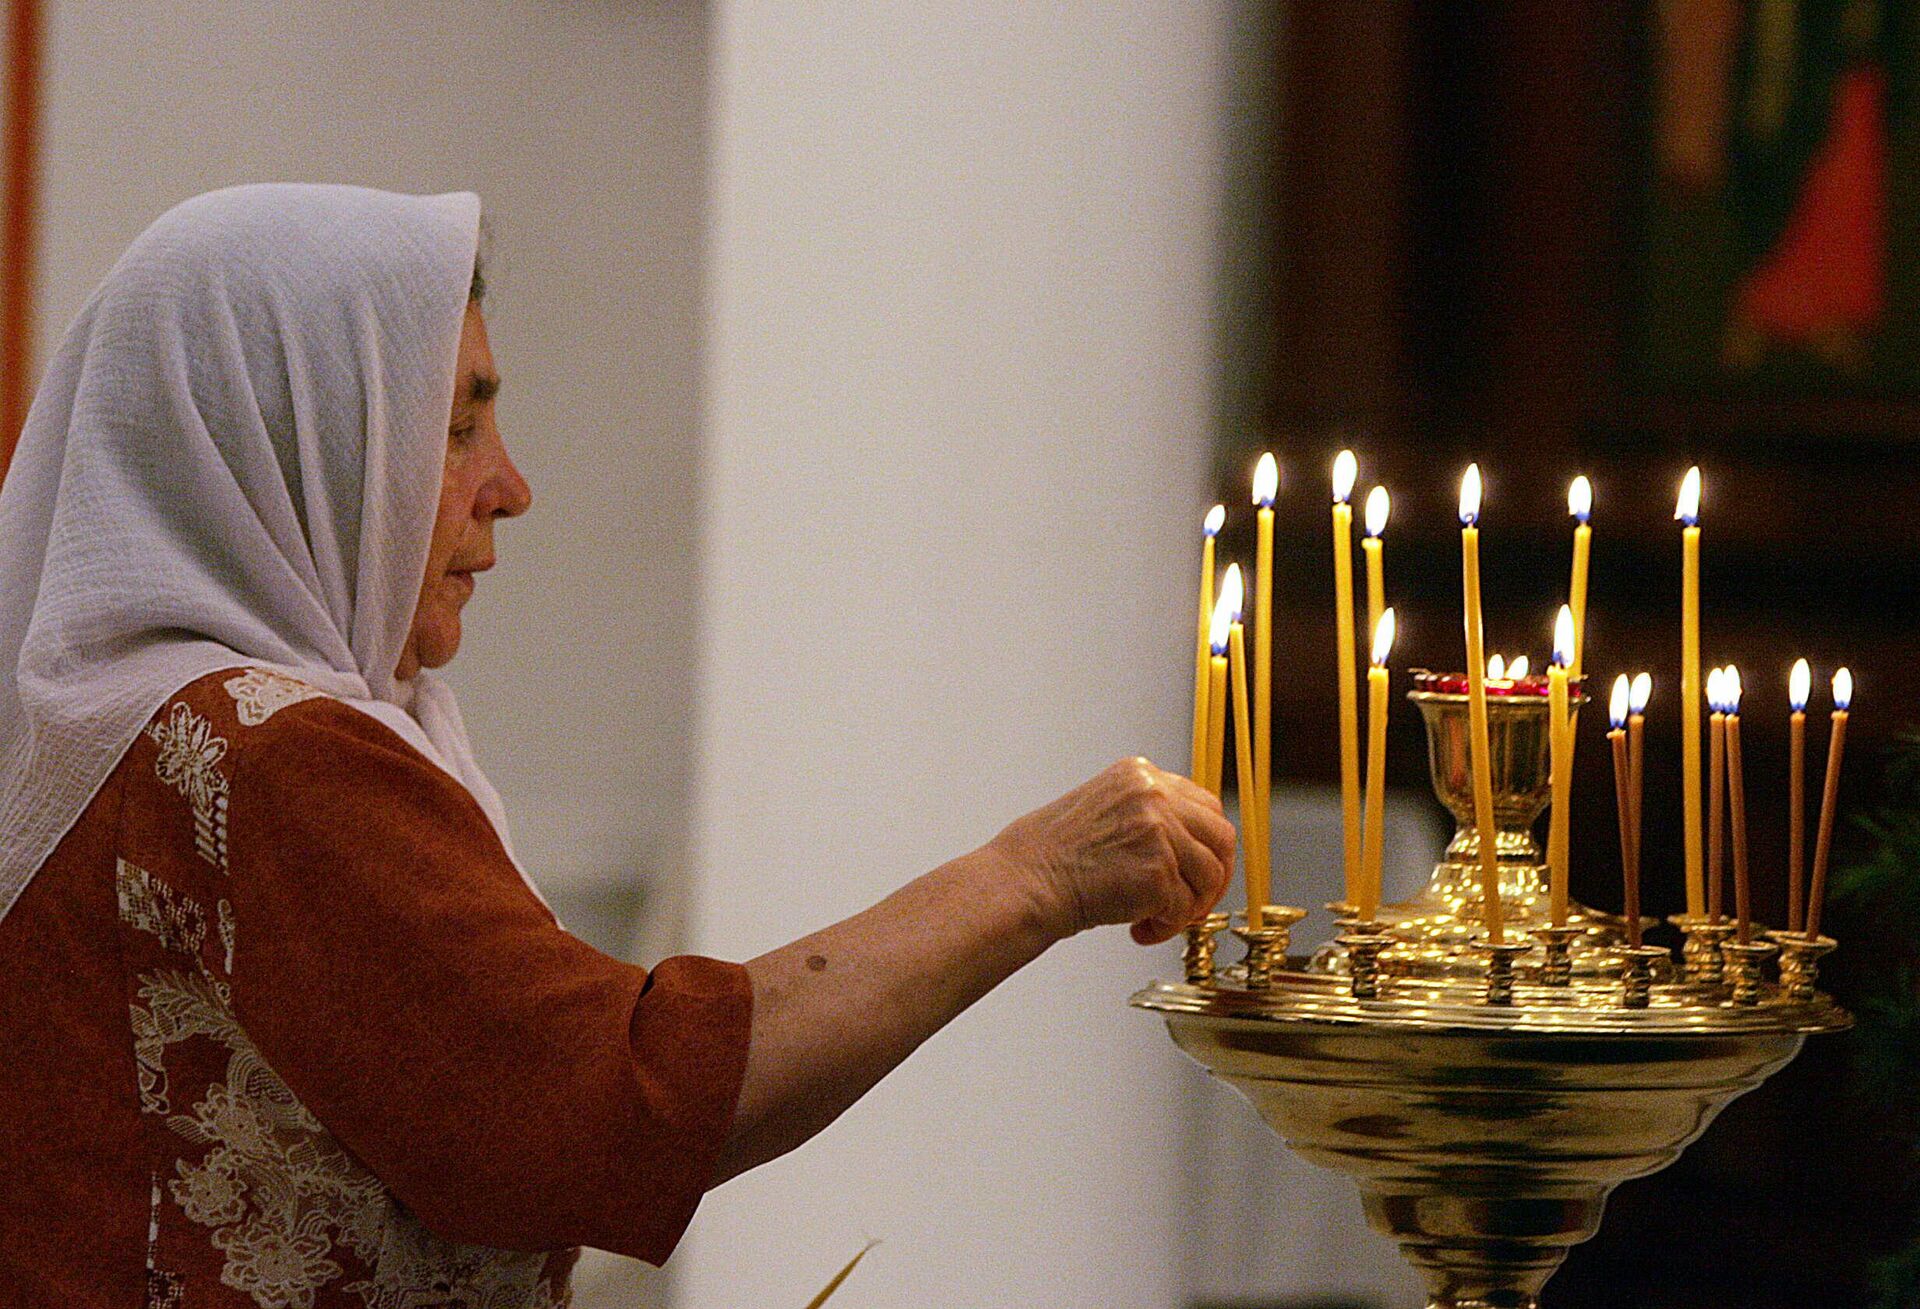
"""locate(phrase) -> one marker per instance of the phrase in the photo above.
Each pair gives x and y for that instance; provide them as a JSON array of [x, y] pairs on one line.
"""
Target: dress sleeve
[[511, 1085]]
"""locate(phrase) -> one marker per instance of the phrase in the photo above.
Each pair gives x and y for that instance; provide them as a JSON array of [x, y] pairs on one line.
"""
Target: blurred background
[[873, 365]]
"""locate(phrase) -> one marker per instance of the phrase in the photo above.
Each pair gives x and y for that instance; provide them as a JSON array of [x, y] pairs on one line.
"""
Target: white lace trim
[[189, 760], [283, 1198], [259, 694]]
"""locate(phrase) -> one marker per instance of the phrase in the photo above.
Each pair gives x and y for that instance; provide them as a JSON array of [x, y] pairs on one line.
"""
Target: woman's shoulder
[[261, 713]]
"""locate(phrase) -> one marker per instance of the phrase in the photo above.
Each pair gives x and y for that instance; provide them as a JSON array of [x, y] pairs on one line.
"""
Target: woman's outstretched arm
[[834, 1012]]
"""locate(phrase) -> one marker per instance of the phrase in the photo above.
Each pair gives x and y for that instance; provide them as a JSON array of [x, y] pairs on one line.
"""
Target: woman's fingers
[[1202, 877]]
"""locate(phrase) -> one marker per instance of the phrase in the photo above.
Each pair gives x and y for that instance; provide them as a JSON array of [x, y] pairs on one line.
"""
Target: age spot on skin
[[817, 962]]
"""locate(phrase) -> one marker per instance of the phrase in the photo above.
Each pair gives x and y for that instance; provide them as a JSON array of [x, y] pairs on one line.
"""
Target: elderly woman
[[285, 1022]]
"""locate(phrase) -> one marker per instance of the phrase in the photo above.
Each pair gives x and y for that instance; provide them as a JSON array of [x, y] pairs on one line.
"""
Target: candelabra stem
[[1200, 949], [1800, 962], [1744, 961]]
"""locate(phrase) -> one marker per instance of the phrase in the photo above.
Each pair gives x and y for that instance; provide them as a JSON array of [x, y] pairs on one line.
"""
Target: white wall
[[959, 386]]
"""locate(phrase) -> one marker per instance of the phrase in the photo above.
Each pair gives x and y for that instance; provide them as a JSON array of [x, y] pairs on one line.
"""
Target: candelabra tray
[[1582, 1009]]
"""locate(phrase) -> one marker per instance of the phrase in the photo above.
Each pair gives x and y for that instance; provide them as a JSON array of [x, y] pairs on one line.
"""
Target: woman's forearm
[[834, 1012]]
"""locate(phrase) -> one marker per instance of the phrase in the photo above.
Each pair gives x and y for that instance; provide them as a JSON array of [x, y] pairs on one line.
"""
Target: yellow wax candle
[[1687, 511], [1716, 794], [1737, 806], [1216, 716], [1560, 750], [1225, 610], [1823, 840], [1372, 550], [1375, 837], [1580, 505], [1257, 872], [1257, 812], [1799, 688], [1637, 697], [1345, 469], [1480, 751], [1210, 529], [1623, 804]]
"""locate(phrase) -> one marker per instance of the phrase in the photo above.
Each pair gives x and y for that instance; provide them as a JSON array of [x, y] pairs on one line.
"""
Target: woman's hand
[[1134, 845]]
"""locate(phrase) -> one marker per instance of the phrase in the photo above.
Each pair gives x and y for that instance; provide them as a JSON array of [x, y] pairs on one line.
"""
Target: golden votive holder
[[1267, 944], [1501, 957], [1800, 962], [1700, 959], [1556, 945], [1202, 937], [1744, 963], [1363, 940], [1636, 973]]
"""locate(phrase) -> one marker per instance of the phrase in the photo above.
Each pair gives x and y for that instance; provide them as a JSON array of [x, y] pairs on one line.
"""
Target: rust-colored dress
[[283, 1028]]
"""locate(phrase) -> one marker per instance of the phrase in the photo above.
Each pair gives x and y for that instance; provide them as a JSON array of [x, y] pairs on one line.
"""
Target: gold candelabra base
[[1485, 1132]]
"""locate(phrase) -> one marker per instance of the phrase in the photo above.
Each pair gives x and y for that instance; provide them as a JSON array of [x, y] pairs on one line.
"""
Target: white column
[[959, 390]]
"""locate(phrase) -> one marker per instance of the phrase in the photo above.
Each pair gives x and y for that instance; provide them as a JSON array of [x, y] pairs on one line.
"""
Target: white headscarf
[[234, 458]]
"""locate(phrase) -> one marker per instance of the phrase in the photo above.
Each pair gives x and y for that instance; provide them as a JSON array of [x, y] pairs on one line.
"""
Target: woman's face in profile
[[480, 485]]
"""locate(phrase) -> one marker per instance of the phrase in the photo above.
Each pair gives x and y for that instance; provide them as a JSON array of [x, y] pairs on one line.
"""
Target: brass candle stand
[[1487, 1097]]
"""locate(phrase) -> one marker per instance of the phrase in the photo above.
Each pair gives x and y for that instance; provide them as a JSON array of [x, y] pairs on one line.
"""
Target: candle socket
[[1636, 973], [1800, 962], [1743, 962], [1267, 944], [1501, 957], [1556, 943], [1200, 949], [1363, 940], [1700, 959]]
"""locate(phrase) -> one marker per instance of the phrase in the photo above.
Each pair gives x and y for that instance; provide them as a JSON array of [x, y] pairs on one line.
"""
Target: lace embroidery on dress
[[188, 762], [259, 694], [164, 1290], [282, 1197], [148, 904], [225, 911]]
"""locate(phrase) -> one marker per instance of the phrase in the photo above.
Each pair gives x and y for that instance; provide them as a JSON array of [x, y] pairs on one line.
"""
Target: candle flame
[[1641, 693], [1563, 637], [1345, 469], [1617, 703], [1731, 689], [1496, 667], [1580, 498], [1226, 611], [1383, 637], [1687, 510], [1799, 686], [1717, 690], [1216, 519], [1470, 496], [1842, 690], [1518, 669], [1378, 506], [1266, 480]]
